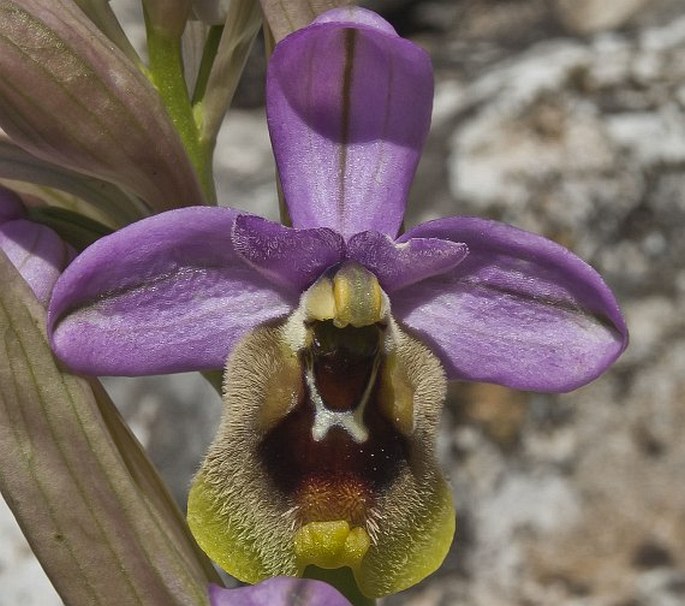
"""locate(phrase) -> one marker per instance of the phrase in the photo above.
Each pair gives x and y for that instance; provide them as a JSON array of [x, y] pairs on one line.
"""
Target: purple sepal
[[37, 252], [279, 591], [166, 294], [398, 265], [348, 108], [292, 258], [520, 310]]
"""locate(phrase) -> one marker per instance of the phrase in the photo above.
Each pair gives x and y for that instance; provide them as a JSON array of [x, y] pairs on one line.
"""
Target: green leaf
[[90, 504], [72, 98]]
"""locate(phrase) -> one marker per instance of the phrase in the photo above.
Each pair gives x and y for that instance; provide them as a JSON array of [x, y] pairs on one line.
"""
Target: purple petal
[[291, 258], [348, 106], [279, 591], [520, 311], [37, 252], [165, 294], [397, 265]]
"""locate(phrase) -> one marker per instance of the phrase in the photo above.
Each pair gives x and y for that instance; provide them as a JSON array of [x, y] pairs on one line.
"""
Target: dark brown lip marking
[[342, 368], [336, 477]]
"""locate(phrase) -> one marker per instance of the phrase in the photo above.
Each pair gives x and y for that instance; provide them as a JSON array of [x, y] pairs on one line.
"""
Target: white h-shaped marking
[[351, 421]]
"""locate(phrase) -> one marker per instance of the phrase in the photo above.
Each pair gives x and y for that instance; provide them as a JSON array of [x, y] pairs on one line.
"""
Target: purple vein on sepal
[[350, 43]]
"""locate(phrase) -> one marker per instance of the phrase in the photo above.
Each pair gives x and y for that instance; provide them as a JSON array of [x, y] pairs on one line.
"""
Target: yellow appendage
[[330, 545]]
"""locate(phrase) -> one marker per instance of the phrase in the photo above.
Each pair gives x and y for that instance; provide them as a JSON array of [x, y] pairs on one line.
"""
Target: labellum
[[325, 455]]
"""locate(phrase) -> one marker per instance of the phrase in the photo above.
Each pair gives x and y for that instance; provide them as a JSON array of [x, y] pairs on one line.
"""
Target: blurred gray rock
[[586, 16]]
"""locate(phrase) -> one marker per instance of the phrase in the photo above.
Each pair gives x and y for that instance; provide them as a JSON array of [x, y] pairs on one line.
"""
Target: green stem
[[343, 580], [166, 73]]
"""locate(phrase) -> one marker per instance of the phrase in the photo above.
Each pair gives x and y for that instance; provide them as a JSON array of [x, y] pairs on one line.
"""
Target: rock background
[[564, 117]]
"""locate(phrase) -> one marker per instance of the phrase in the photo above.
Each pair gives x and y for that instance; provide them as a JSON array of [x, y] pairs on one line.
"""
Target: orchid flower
[[337, 334]]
